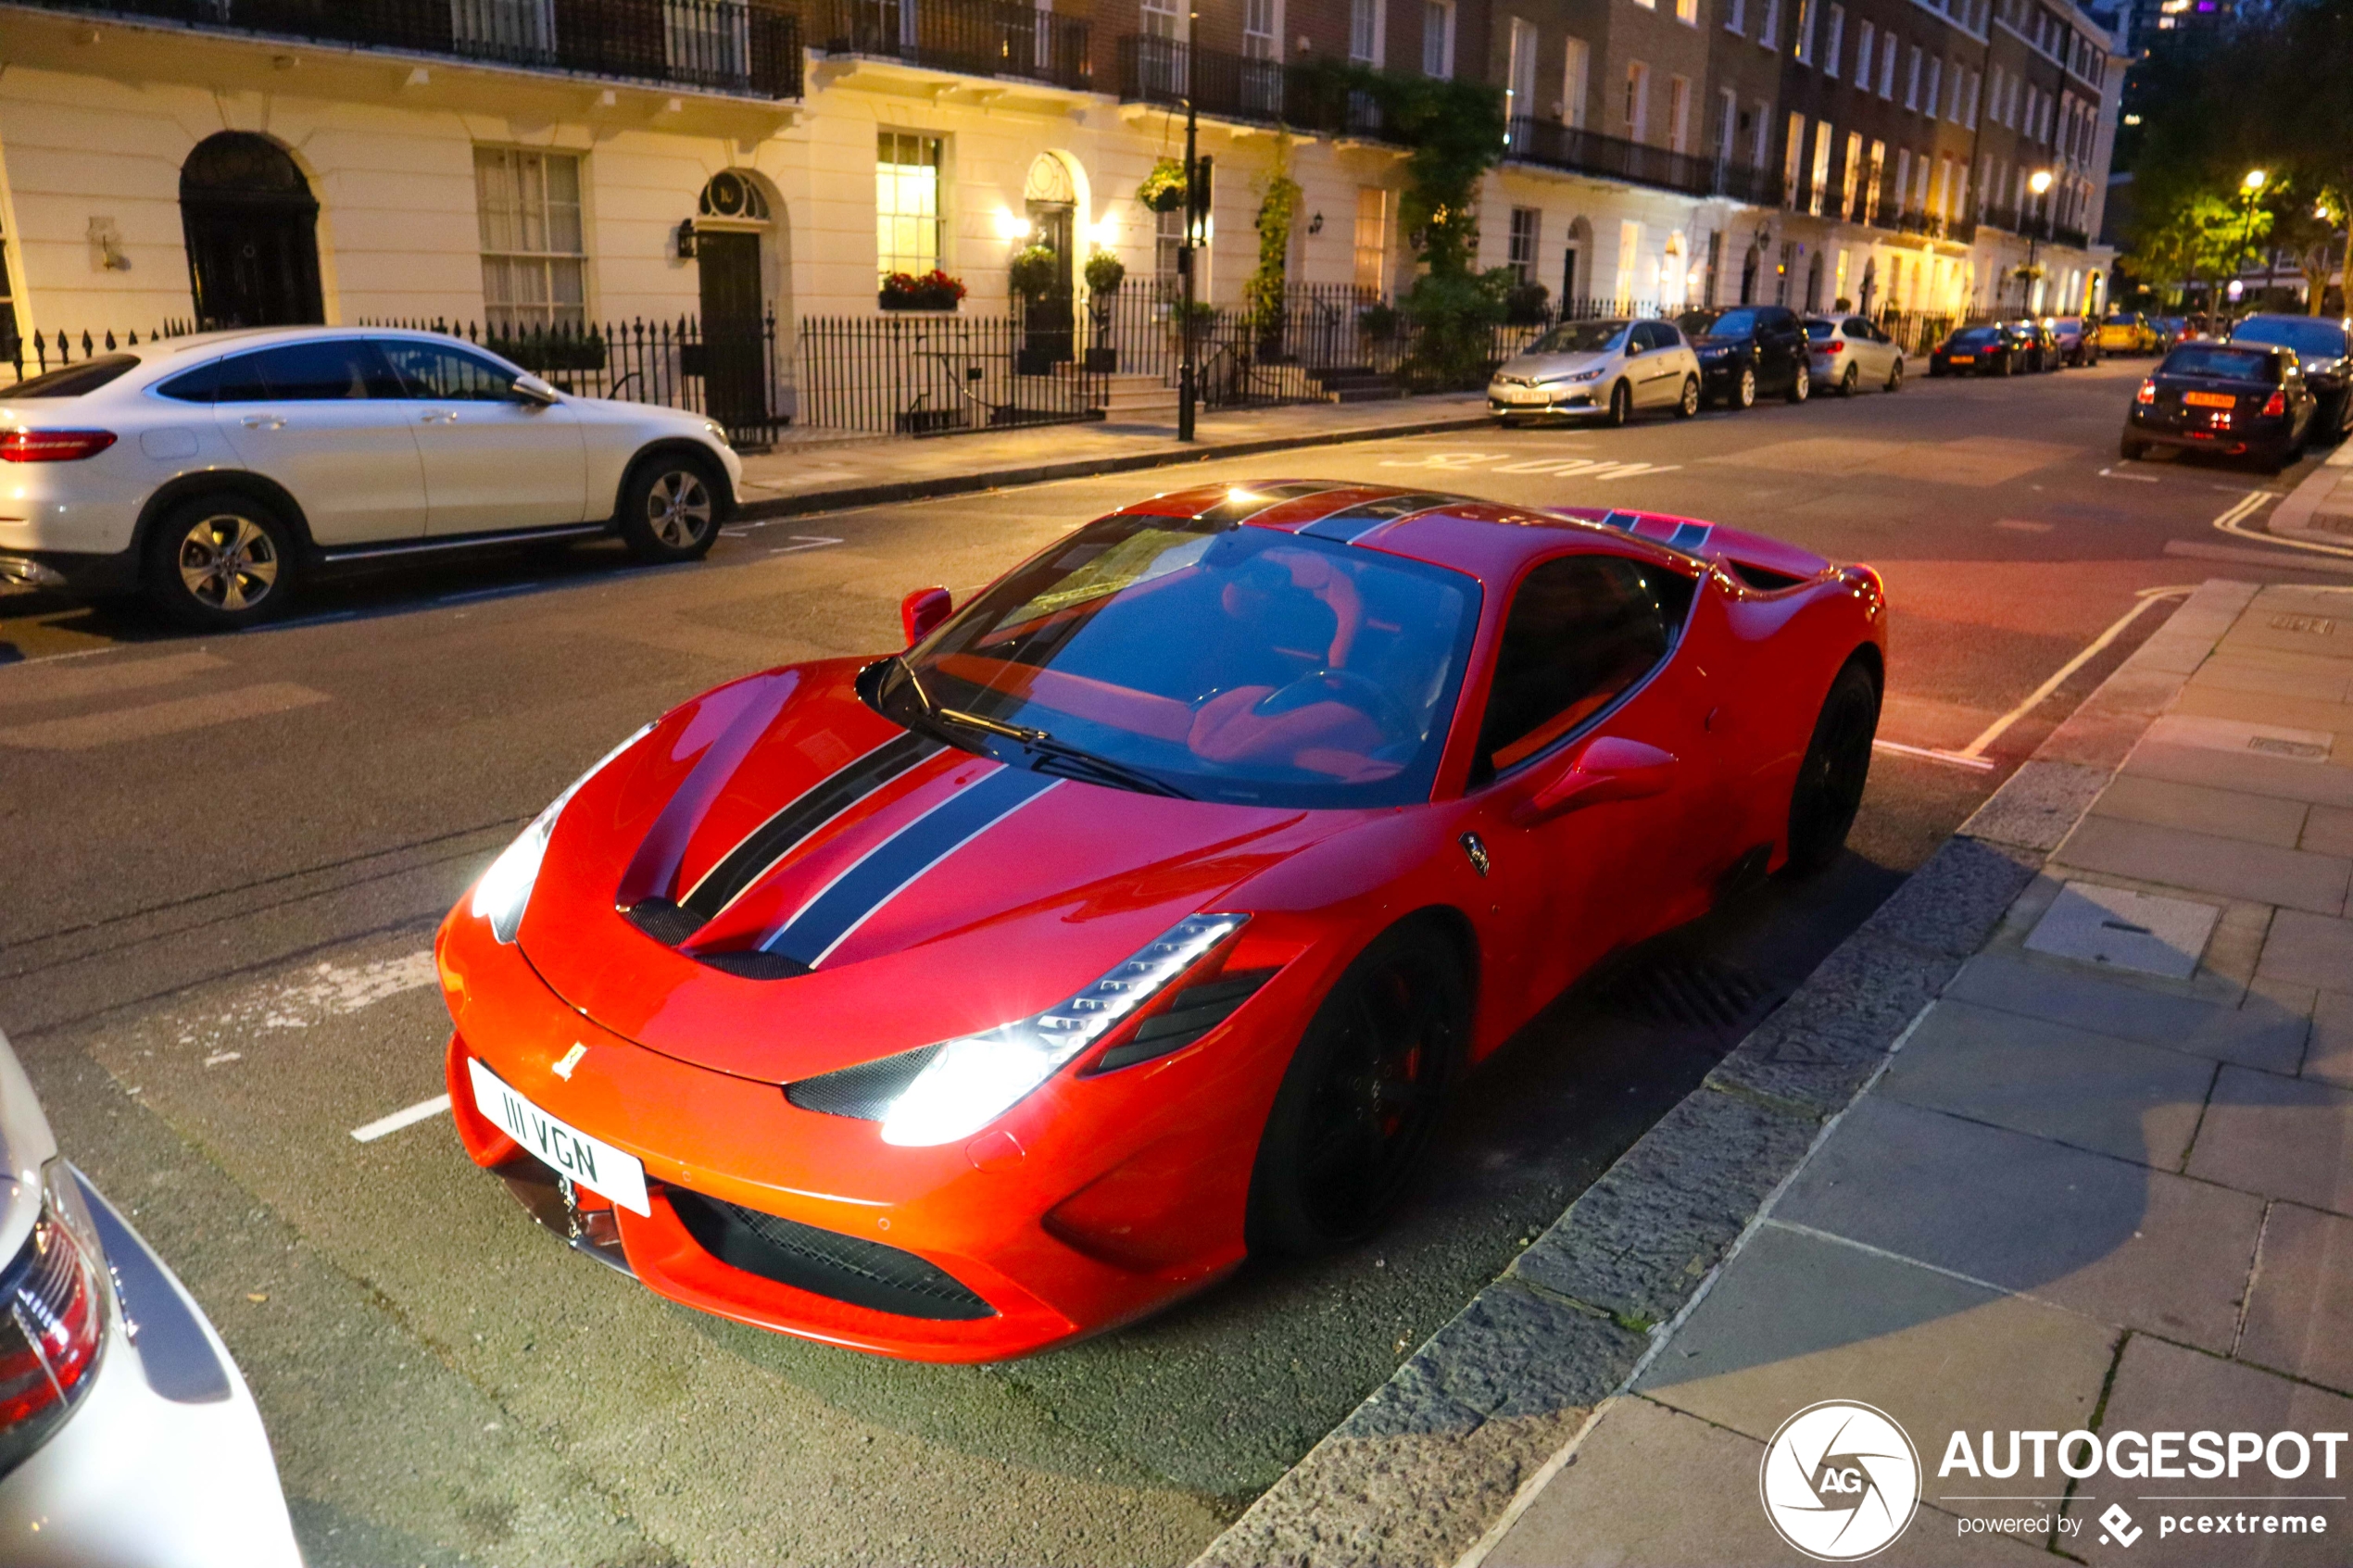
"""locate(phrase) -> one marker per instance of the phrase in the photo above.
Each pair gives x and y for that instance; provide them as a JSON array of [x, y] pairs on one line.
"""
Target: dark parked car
[[1748, 351], [2078, 342], [2239, 399], [2324, 350], [2035, 347], [1975, 351]]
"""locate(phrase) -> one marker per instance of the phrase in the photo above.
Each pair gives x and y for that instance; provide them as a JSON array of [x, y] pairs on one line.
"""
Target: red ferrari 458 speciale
[[958, 1002]]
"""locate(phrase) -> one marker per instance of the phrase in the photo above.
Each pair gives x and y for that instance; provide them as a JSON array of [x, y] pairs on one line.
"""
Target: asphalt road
[[225, 857]]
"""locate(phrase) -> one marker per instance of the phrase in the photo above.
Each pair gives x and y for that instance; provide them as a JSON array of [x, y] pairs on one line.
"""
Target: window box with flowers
[[934, 290]]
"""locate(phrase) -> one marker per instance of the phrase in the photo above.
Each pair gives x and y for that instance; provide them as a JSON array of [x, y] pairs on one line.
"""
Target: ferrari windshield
[[1176, 656]]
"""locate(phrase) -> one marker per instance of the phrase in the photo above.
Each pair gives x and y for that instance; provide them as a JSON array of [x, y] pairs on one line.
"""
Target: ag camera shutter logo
[[1840, 1481]]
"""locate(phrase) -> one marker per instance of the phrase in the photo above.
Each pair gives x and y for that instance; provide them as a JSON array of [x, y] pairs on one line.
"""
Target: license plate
[[567, 1151], [1964, 360], [1527, 394], [2210, 400]]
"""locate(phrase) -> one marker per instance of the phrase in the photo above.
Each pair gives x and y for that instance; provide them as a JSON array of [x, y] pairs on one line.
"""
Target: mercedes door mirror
[[530, 389]]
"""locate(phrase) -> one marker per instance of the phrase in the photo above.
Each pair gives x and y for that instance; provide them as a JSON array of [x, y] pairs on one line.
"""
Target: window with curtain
[[908, 219], [1258, 30], [1437, 38], [1363, 32], [535, 261], [1575, 62], [1834, 38], [1521, 256], [1679, 113], [1638, 94]]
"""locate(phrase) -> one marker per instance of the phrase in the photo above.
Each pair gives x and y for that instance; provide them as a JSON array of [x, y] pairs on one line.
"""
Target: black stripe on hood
[[780, 834]]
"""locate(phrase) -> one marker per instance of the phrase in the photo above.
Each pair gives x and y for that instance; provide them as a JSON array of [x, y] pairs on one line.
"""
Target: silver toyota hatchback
[[1606, 369]]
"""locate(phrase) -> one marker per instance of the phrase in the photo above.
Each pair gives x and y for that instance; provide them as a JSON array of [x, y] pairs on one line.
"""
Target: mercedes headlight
[[505, 889], [963, 1084]]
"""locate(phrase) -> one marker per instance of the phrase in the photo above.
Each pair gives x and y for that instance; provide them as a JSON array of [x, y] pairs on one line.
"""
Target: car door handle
[[264, 422]]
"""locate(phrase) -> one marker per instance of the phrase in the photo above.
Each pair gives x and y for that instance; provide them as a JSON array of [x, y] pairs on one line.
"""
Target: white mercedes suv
[[214, 473]]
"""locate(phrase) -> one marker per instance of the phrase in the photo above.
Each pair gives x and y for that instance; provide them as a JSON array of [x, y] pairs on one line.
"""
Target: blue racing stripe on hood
[[882, 872]]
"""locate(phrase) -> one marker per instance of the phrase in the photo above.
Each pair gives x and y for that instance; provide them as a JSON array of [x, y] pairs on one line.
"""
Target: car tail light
[[53, 445], [54, 1322], [2147, 392], [1833, 346], [2276, 406]]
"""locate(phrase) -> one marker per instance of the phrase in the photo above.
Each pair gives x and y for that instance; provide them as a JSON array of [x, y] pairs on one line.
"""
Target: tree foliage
[[2269, 90]]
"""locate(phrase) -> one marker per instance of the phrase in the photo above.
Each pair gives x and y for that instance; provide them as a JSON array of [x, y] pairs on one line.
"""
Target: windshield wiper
[[1042, 743]]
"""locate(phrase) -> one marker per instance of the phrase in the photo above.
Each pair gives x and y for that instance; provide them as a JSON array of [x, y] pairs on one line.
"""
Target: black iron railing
[[970, 37], [1554, 145], [24, 358], [746, 48], [735, 377], [1224, 86], [916, 373]]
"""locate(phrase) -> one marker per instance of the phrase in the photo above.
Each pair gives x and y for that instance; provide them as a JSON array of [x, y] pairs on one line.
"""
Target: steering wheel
[[1342, 686]]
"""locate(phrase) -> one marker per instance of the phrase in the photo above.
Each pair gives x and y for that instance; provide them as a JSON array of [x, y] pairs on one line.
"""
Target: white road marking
[[1952, 759], [488, 593], [2235, 517], [1583, 468], [77, 681], [2135, 478], [804, 542], [144, 723], [423, 1110], [1993, 732]]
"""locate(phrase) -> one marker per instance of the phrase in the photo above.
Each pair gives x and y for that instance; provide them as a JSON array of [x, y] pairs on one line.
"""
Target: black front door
[[733, 331], [251, 226], [1048, 319]]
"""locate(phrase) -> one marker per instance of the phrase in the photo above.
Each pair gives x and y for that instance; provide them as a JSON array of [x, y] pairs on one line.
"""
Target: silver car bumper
[[165, 1464]]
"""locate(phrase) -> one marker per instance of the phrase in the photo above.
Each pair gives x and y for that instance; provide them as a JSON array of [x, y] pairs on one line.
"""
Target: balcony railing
[[2031, 226], [970, 37], [1556, 145], [747, 47], [1224, 86]]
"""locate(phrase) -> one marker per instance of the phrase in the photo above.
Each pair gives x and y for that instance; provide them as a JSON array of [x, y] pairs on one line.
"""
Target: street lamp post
[[2040, 184], [1188, 388], [2251, 188]]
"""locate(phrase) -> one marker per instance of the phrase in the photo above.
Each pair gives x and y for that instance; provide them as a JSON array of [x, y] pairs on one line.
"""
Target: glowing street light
[[2040, 181], [2040, 184], [2253, 182], [2252, 185]]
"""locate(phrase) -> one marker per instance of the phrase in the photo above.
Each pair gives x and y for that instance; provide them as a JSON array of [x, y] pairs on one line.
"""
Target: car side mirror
[[531, 389], [1609, 768], [921, 611]]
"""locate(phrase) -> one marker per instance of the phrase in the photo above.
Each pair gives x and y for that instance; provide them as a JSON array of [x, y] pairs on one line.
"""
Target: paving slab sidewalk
[[2061, 1139], [812, 471]]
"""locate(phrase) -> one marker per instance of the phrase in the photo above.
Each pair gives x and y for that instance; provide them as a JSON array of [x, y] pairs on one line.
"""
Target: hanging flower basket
[[1035, 270], [1164, 188]]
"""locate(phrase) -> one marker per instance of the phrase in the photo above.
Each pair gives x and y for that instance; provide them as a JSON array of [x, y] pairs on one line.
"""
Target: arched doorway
[[1050, 197], [252, 230], [730, 218]]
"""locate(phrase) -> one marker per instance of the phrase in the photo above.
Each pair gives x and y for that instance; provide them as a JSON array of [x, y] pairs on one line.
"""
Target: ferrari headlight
[[970, 1081], [505, 889]]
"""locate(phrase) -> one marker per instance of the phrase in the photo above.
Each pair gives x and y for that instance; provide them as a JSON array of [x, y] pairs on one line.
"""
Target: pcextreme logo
[[1840, 1481]]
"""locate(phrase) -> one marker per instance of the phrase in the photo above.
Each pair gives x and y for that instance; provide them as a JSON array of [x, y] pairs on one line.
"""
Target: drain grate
[[1693, 991]]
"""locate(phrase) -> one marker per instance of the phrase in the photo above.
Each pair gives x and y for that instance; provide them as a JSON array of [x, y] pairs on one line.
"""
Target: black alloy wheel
[[1837, 766], [2132, 450], [1621, 404], [1363, 1095]]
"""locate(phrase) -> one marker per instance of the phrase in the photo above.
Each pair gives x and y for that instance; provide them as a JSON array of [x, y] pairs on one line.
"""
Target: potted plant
[[1164, 188], [1036, 273], [934, 290], [1104, 274]]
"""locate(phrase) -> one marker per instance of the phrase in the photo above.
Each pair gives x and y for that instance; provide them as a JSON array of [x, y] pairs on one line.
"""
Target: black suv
[[1746, 351], [2323, 349]]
